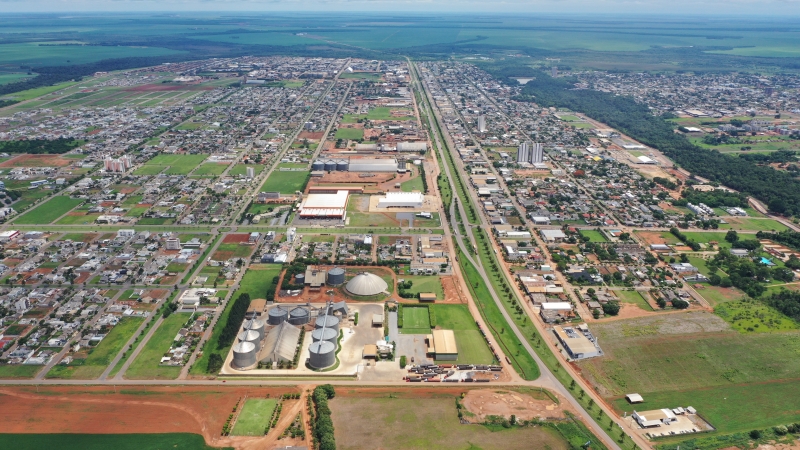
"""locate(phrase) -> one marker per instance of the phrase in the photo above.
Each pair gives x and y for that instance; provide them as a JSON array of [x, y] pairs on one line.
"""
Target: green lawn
[[594, 235], [210, 169], [421, 283], [350, 133], [71, 441], [239, 251], [755, 224], [149, 170], [254, 417], [286, 182], [101, 356], [414, 184], [415, 320], [81, 219], [358, 219], [49, 211], [147, 366], [472, 347]]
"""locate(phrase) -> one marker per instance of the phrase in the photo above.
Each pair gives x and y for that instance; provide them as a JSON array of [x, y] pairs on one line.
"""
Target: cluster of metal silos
[[245, 352], [322, 351], [331, 322], [299, 316], [331, 165]]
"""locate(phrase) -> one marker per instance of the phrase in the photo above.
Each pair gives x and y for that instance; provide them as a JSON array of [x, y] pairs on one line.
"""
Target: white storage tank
[[244, 355], [321, 354]]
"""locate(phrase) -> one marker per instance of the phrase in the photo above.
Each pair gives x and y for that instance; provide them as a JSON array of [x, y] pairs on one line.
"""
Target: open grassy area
[[350, 133], [286, 182], [634, 298], [70, 441], [415, 320], [18, 371], [414, 184], [422, 283], [171, 164], [258, 279], [254, 417], [100, 356], [210, 169], [359, 219], [49, 211], [147, 366], [755, 224], [429, 423], [232, 250], [751, 316]]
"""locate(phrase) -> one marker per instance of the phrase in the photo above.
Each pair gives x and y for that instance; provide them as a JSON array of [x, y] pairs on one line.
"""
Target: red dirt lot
[[236, 238], [139, 409], [26, 160]]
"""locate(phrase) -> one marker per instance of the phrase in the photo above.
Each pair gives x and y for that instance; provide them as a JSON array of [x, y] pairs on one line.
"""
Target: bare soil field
[[237, 238], [486, 402], [98, 409], [26, 160], [451, 292]]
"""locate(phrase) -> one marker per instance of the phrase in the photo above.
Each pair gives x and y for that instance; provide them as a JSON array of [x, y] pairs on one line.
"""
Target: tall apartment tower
[[523, 153], [251, 173], [537, 153], [481, 124]]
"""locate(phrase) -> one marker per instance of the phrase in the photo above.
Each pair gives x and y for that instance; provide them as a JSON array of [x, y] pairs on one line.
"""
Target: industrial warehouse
[[328, 206]]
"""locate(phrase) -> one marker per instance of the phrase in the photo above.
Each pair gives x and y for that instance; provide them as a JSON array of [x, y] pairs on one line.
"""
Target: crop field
[[228, 251], [40, 54], [254, 417], [415, 320], [6, 78], [430, 423], [751, 316], [682, 359], [147, 366], [100, 356], [70, 441], [174, 164], [49, 211], [350, 133], [421, 283], [285, 182]]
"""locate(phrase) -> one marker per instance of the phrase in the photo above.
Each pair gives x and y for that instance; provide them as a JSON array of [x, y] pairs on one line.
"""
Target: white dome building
[[366, 283]]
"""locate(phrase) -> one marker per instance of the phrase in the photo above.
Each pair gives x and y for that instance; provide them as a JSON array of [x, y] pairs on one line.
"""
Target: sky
[[732, 7]]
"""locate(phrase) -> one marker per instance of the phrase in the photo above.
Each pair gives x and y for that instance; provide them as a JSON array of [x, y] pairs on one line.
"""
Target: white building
[[173, 244], [325, 205], [401, 200], [120, 164], [251, 173], [373, 165], [481, 124]]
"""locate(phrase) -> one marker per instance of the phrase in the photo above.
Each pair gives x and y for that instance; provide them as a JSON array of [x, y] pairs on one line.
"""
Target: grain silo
[[324, 334], [335, 276], [342, 165], [365, 284], [277, 315], [257, 326], [299, 316], [321, 354], [249, 336], [244, 355], [318, 165], [327, 322], [300, 278], [330, 166]]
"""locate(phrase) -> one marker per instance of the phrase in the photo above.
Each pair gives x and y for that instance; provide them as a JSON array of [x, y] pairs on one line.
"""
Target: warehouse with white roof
[[324, 205], [401, 200]]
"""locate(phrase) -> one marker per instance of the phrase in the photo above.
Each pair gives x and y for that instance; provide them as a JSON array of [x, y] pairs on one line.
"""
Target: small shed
[[634, 398], [370, 351], [377, 320], [427, 297]]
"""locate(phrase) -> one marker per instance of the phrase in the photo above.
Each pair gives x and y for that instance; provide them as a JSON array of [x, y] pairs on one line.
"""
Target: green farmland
[[286, 182], [70, 441], [171, 164]]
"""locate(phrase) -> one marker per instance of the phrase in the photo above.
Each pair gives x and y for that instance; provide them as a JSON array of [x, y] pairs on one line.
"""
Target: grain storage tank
[[249, 336], [335, 276], [324, 334], [342, 165], [257, 326], [327, 322], [321, 354], [277, 315], [318, 165], [365, 284], [330, 165], [300, 278], [299, 316], [244, 355]]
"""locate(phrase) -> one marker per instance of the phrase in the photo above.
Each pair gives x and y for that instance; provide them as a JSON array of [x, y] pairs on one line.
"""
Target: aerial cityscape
[[381, 230]]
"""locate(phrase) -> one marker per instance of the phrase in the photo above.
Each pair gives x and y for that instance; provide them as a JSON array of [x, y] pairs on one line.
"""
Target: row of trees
[[323, 424], [777, 189], [235, 318], [40, 146]]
